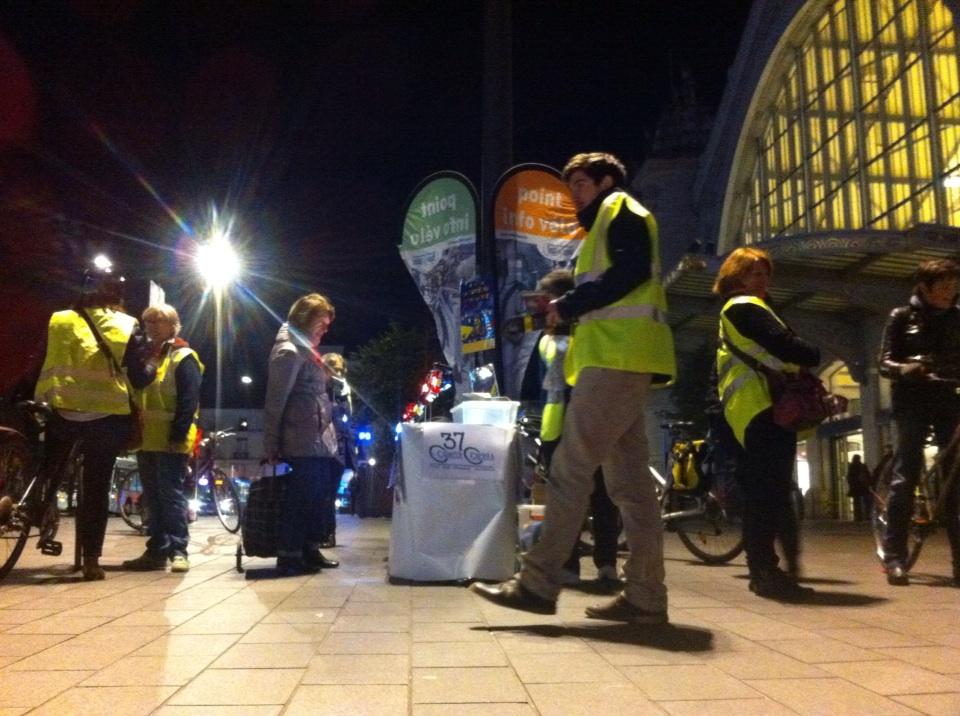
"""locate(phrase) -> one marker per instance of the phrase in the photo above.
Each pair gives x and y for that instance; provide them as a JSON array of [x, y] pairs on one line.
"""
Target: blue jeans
[[162, 475], [301, 520]]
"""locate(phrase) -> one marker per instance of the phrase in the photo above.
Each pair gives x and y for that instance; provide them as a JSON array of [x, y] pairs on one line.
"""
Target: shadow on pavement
[[806, 580], [668, 637], [840, 599], [57, 574]]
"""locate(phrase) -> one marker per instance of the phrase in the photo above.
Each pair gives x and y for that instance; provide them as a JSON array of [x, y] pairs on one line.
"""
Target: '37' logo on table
[[451, 448]]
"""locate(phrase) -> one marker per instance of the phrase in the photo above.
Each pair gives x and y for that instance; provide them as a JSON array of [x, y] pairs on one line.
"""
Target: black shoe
[[897, 575], [315, 558], [780, 586], [146, 562], [513, 595], [329, 543], [294, 567]]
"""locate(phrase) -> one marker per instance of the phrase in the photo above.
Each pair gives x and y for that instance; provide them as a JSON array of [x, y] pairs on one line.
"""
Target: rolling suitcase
[[260, 521]]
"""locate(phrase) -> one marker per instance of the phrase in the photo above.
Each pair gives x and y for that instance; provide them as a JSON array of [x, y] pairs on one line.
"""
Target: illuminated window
[[862, 129]]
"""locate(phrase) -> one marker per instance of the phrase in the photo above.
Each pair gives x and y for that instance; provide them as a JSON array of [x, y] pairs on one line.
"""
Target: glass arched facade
[[860, 128]]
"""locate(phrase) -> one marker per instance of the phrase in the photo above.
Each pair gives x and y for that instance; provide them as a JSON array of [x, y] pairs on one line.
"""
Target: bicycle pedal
[[51, 547]]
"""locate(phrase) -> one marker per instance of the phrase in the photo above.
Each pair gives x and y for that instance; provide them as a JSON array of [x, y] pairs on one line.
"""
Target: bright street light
[[217, 261], [246, 379]]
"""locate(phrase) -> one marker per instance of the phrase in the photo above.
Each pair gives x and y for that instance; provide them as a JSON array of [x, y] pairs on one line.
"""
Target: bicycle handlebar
[[39, 411], [217, 436]]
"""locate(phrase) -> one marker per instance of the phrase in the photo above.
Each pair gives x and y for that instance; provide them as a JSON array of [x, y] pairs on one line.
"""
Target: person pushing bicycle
[[920, 353]]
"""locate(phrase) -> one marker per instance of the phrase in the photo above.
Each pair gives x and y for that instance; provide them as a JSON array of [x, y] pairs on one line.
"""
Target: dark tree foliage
[[689, 391], [386, 374]]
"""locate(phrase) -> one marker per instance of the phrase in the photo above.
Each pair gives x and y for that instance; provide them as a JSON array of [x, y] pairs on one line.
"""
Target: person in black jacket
[[921, 343]]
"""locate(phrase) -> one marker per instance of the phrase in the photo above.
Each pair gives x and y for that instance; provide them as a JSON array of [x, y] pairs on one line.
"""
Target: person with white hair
[[170, 407]]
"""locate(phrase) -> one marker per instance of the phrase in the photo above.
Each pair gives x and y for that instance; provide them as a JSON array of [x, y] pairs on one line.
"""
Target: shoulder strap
[[114, 364], [748, 359]]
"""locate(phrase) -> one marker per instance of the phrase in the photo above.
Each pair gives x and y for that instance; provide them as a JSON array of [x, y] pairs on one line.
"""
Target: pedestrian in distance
[[921, 347], [621, 346], [754, 339], [338, 392], [859, 482], [298, 428], [94, 360], [170, 407]]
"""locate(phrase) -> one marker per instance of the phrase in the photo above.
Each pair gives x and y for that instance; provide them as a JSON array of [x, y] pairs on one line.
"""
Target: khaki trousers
[[603, 426]]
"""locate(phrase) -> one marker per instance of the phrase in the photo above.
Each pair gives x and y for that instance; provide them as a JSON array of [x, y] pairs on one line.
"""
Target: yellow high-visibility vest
[[76, 374], [743, 391], [551, 423], [631, 334], [159, 402]]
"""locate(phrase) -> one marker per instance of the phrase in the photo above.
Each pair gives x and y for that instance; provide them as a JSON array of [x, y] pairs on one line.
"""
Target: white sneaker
[[179, 563]]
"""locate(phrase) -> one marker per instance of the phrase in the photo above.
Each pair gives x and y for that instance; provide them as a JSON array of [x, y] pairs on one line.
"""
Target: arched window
[[855, 125]]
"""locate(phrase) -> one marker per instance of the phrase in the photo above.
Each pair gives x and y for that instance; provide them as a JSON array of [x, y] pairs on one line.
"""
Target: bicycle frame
[[666, 490], [940, 476]]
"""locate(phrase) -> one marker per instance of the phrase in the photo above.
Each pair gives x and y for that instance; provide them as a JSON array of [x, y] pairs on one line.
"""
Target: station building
[[836, 147]]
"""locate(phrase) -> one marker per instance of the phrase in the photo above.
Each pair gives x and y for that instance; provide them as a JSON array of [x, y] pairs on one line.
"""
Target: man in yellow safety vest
[[622, 345]]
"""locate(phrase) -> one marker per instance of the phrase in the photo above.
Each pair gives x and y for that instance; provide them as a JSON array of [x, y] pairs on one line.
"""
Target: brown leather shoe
[[513, 595], [620, 610]]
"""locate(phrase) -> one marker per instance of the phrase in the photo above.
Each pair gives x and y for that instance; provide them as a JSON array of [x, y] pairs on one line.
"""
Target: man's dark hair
[[929, 272], [557, 282], [597, 165]]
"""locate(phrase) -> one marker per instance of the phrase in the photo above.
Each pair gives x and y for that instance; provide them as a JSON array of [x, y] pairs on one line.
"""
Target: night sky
[[123, 125]]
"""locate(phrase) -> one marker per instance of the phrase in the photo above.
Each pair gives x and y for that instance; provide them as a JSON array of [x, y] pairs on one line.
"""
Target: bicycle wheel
[[226, 499], [14, 524], [919, 524], [133, 508], [715, 535], [878, 512]]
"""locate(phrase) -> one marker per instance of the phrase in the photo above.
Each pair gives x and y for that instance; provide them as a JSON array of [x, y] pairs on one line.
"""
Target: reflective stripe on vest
[[159, 403], [743, 391], [630, 334], [76, 375]]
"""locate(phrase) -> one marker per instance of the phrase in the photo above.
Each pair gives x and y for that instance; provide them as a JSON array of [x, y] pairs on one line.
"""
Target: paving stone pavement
[[348, 642]]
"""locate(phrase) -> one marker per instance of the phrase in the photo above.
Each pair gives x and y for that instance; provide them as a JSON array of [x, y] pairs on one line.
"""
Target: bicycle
[[704, 507], [127, 490], [29, 487], [218, 487], [708, 519], [930, 496]]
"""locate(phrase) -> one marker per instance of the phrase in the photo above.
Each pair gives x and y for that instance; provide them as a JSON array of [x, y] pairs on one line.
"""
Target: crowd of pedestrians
[[117, 386]]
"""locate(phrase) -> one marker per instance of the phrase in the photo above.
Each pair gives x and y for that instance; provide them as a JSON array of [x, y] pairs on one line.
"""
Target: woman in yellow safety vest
[[753, 335], [94, 353], [170, 408]]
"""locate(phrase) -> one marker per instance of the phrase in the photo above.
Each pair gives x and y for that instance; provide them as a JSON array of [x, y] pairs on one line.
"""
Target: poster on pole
[[439, 250], [535, 231], [477, 322]]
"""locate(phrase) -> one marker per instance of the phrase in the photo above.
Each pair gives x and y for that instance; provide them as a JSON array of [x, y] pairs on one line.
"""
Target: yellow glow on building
[[862, 126]]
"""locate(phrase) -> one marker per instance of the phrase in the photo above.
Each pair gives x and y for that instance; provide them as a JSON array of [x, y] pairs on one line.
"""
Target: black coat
[[919, 331]]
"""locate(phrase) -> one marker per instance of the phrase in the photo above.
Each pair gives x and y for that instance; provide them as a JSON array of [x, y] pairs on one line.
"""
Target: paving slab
[[347, 641]]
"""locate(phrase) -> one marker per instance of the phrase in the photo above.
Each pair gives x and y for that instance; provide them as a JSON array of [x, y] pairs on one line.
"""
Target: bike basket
[[686, 464]]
